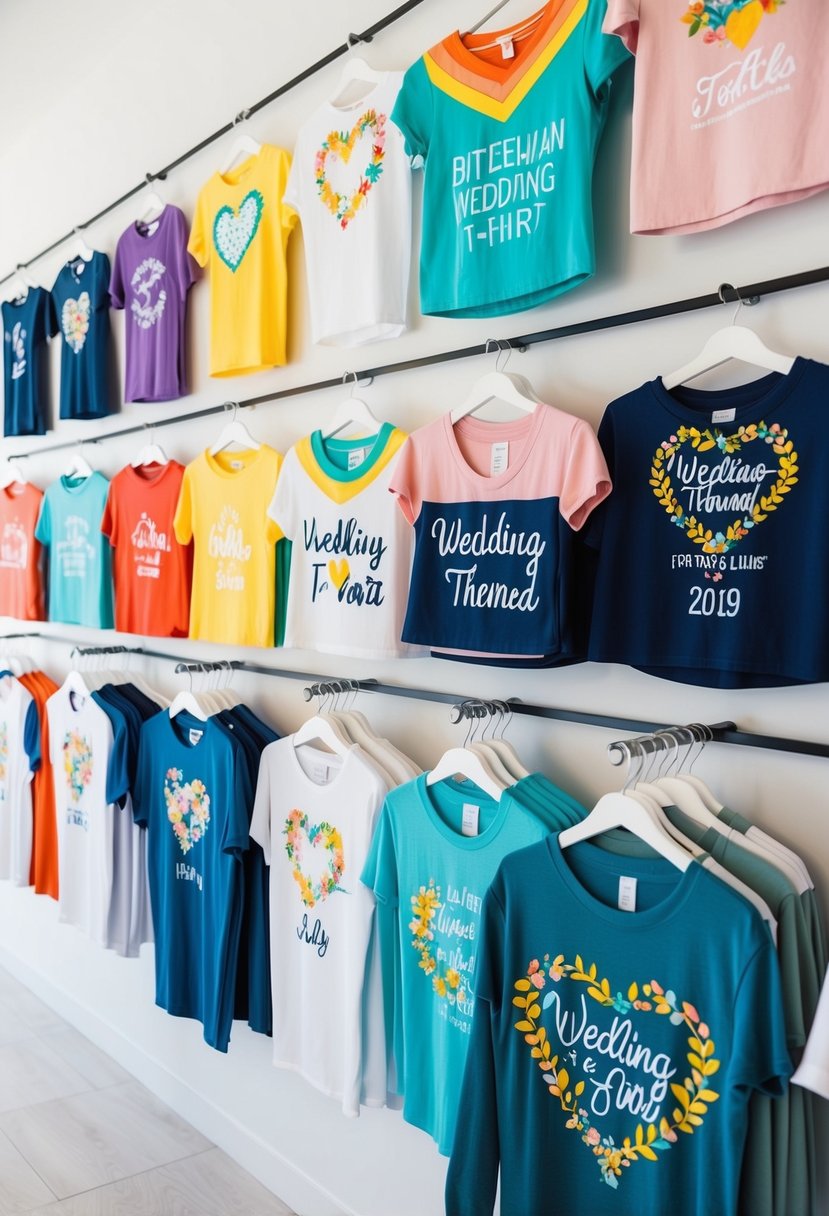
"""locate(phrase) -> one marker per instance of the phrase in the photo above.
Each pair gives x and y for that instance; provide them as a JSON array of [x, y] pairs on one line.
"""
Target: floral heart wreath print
[[74, 319], [338, 146], [696, 529], [77, 763], [728, 21], [299, 832], [188, 808], [693, 1096]]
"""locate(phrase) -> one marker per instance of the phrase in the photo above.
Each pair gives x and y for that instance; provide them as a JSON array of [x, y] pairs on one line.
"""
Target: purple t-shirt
[[151, 276]]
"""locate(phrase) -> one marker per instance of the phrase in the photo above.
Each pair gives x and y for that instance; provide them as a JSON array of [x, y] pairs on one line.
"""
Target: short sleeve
[[586, 479], [260, 823], [117, 288], [592, 534], [813, 1072], [413, 111], [291, 196], [603, 53], [405, 481], [273, 531], [759, 1055], [43, 527], [142, 790], [380, 870], [117, 782], [109, 519], [51, 316], [199, 242], [282, 509], [622, 18], [186, 270], [31, 737], [288, 213], [101, 286], [183, 520], [236, 835]]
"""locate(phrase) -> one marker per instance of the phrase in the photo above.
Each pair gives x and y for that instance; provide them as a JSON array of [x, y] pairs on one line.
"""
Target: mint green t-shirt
[[80, 557], [507, 125]]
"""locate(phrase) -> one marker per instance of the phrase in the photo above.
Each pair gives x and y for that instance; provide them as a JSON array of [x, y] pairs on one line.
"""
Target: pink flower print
[[717, 577], [657, 988], [703, 1031], [593, 1137], [537, 978], [532, 967]]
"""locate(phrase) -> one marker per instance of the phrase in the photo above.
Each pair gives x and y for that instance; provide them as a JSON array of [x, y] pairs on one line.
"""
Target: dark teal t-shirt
[[80, 296], [27, 323]]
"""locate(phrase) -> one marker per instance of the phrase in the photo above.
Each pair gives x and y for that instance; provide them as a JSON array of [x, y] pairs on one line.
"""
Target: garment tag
[[499, 461], [627, 894], [237, 464], [319, 772], [194, 735], [469, 824], [356, 458], [507, 47], [724, 415]]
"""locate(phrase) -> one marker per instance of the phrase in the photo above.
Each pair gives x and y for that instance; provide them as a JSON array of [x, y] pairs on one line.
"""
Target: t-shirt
[[81, 301], [351, 184], [729, 108], [43, 873], [240, 231], [19, 759], [151, 277], [495, 506], [313, 816], [21, 560], [508, 124], [716, 491], [614, 1052], [81, 743], [27, 323], [435, 851], [152, 571], [80, 564], [188, 794], [351, 549], [813, 1072], [223, 508]]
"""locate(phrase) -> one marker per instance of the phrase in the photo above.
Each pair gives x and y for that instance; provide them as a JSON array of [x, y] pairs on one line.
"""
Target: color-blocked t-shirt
[[351, 549], [730, 107], [507, 124], [21, 562], [27, 323], [495, 506], [80, 558], [80, 295], [151, 570]]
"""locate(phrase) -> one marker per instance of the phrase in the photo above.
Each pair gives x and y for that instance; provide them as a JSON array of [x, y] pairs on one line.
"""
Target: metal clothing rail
[[746, 293], [720, 732], [366, 36]]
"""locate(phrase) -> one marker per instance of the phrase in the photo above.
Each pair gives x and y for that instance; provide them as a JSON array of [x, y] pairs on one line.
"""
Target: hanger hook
[[354, 382], [354, 39], [504, 348], [242, 116]]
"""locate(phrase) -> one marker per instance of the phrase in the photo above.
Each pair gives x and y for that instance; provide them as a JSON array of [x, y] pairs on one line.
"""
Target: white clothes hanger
[[477, 711], [150, 453], [21, 284], [243, 145], [234, 431], [79, 249], [731, 342], [185, 702], [154, 204], [322, 729], [352, 412], [498, 385], [78, 467], [461, 761], [355, 70], [504, 749], [11, 474]]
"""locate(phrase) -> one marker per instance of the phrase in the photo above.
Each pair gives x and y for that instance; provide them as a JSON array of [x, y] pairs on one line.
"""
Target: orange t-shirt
[[151, 570], [43, 874], [21, 582]]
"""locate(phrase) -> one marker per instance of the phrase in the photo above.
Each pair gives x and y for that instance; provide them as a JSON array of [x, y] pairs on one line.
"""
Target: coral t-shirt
[[151, 570], [21, 575], [730, 108]]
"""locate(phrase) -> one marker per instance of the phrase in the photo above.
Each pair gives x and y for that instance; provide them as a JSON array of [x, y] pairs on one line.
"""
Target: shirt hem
[[764, 202], [652, 665], [523, 302]]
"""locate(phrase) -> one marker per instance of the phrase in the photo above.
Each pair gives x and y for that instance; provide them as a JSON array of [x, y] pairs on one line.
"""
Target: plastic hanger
[[355, 70], [11, 473], [21, 285], [234, 431], [462, 761], [731, 342], [503, 748], [352, 412], [150, 453], [243, 145], [78, 467], [498, 385], [322, 729], [154, 204], [477, 711], [79, 250]]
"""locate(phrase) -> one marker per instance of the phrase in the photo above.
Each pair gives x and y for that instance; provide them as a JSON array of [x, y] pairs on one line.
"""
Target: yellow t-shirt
[[223, 508], [241, 229]]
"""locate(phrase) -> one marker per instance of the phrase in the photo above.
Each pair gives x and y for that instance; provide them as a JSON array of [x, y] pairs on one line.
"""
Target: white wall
[[91, 99]]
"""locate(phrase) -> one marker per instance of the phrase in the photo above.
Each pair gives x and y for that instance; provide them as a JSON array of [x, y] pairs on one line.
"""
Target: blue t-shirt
[[80, 557], [435, 877], [613, 1052], [508, 139], [81, 302], [27, 323], [189, 794], [713, 567]]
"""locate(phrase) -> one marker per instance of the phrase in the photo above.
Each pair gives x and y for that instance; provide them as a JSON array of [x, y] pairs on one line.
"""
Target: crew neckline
[[238, 175], [231, 474], [187, 722], [332, 759], [11, 495], [146, 237], [361, 101], [69, 488], [149, 483], [493, 432], [755, 399], [463, 47], [73, 262], [465, 843], [376, 445]]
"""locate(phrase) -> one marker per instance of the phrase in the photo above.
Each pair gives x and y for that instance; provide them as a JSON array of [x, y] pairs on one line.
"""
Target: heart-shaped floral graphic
[[446, 981], [775, 436], [74, 319], [338, 146], [724, 21], [298, 833], [693, 1096], [338, 571], [233, 231], [77, 763], [188, 808]]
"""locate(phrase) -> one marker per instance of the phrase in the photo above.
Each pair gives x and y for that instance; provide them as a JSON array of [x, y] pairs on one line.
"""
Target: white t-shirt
[[351, 184], [351, 550], [16, 704], [80, 743], [813, 1072], [314, 817]]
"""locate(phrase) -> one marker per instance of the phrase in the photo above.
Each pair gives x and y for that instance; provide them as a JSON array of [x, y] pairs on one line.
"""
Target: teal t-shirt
[[508, 139], [613, 1052], [80, 557]]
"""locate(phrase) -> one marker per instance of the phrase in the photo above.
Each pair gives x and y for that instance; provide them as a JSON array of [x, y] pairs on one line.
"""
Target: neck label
[[627, 894]]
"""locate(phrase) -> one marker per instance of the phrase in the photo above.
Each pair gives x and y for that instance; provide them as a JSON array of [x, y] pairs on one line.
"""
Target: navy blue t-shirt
[[27, 323], [713, 562], [81, 301], [189, 794]]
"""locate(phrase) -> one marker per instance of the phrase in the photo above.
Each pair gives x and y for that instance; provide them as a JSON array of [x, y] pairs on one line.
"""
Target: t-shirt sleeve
[[199, 242], [239, 793], [51, 316], [101, 284], [380, 870], [760, 1057], [183, 519], [813, 1072], [117, 289], [260, 823], [602, 52], [31, 737], [141, 792], [118, 782], [622, 18], [289, 211], [282, 509], [273, 531], [43, 527], [109, 519], [405, 481], [586, 479], [413, 111], [592, 534], [292, 196]]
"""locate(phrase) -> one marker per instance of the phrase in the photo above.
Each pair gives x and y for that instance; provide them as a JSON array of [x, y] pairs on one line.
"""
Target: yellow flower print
[[439, 985], [452, 978]]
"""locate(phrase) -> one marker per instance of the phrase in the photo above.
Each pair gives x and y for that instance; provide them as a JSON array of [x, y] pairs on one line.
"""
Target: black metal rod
[[520, 341], [366, 36], [722, 732]]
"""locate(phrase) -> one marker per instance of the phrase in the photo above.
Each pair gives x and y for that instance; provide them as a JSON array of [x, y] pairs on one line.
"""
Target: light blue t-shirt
[[80, 557]]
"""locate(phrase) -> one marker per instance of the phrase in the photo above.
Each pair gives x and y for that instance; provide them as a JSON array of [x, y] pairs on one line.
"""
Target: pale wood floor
[[80, 1137]]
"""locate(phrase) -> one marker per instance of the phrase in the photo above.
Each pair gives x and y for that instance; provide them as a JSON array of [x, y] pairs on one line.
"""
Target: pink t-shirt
[[730, 107], [495, 507]]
